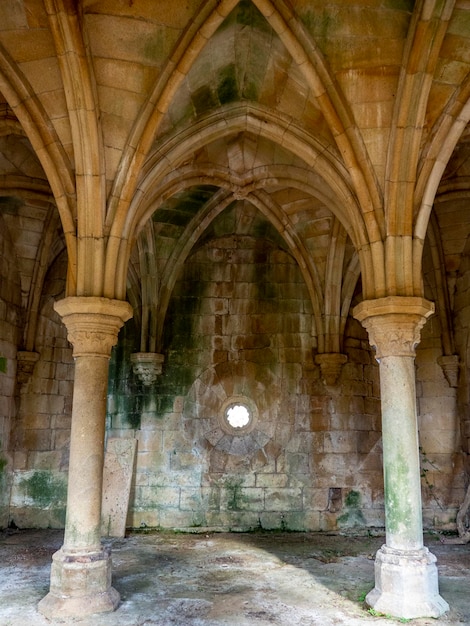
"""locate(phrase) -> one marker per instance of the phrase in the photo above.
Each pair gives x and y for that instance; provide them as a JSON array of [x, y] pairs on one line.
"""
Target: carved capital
[[93, 323], [330, 364], [394, 323], [147, 366]]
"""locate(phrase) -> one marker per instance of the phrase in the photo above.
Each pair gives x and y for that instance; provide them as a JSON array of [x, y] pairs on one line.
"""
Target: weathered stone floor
[[207, 579]]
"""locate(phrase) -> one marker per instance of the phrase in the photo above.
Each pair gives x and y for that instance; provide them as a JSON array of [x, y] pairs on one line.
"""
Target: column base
[[406, 584], [80, 585]]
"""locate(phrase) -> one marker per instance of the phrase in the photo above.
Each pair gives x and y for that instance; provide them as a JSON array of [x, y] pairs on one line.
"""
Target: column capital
[[394, 323], [93, 323]]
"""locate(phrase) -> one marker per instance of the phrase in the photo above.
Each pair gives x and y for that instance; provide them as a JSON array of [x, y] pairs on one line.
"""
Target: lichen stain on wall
[[352, 515], [38, 499]]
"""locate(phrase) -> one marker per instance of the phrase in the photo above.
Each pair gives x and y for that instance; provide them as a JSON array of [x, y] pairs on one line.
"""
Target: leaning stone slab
[[117, 475]]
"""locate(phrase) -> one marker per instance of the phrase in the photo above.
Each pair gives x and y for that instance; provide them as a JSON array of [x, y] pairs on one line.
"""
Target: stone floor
[[208, 579]]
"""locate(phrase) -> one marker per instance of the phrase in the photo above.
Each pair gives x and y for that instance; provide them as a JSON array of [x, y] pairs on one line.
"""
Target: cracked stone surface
[[210, 579]]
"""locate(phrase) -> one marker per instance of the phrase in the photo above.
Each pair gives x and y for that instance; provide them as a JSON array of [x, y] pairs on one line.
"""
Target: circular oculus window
[[238, 415]]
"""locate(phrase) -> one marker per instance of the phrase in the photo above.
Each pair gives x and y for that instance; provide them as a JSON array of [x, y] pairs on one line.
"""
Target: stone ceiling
[[140, 120]]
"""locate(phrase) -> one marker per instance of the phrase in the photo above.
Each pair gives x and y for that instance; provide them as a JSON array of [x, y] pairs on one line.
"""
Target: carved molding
[[394, 323], [450, 366], [147, 366], [93, 323], [330, 364]]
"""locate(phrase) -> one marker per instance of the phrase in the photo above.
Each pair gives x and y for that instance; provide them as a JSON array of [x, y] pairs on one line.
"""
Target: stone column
[[406, 582], [81, 569]]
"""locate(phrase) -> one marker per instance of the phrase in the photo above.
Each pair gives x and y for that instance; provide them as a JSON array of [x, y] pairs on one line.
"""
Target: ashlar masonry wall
[[439, 433], [10, 329], [243, 330], [462, 333], [41, 433]]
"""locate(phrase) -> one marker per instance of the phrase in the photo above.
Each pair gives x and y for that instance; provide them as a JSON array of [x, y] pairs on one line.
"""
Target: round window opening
[[238, 415]]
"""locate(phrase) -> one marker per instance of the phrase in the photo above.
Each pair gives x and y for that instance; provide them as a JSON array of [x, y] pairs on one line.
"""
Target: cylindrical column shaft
[[402, 485], [83, 520]]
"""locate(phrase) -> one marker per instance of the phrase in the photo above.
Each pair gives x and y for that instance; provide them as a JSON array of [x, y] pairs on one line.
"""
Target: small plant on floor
[[374, 613], [362, 597]]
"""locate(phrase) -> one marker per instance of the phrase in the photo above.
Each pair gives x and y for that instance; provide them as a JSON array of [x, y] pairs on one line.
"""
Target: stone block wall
[[10, 324], [462, 340], [41, 434], [462, 333], [314, 459], [439, 433], [243, 330]]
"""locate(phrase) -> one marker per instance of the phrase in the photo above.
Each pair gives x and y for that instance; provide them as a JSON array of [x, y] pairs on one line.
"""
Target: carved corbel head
[[147, 366]]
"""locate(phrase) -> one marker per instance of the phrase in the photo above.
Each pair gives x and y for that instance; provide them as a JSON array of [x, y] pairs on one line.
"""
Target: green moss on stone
[[227, 89], [44, 488], [157, 46], [353, 499], [125, 391], [182, 343], [236, 499], [250, 90], [398, 511], [319, 25], [203, 100], [294, 521], [176, 218], [353, 515], [248, 15]]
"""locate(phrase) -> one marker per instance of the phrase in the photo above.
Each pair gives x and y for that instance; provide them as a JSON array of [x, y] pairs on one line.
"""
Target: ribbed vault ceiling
[[196, 109]]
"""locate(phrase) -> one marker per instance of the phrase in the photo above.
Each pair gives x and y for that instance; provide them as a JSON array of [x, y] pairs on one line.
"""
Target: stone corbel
[[330, 364], [147, 366], [26, 360], [450, 367]]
